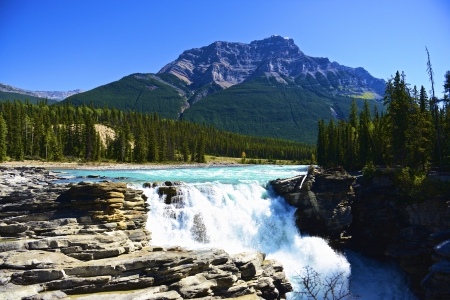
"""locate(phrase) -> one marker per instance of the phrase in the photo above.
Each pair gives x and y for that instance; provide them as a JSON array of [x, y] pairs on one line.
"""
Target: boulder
[[248, 263]]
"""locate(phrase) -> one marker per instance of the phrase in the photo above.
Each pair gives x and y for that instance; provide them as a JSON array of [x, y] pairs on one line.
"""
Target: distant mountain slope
[[5, 96], [226, 64], [51, 95], [140, 92], [264, 106]]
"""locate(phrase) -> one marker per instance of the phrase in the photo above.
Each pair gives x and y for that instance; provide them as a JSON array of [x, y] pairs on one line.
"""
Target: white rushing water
[[233, 209]]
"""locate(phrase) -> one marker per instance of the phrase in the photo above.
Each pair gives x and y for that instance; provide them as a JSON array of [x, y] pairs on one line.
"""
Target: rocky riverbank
[[88, 241], [369, 217]]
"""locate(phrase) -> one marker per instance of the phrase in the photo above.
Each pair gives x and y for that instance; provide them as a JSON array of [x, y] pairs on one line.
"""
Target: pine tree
[[201, 150], [423, 100], [322, 144], [185, 150], [352, 135], [194, 151], [365, 136], [16, 147], [140, 144], [90, 139], [398, 103], [152, 146], [3, 132]]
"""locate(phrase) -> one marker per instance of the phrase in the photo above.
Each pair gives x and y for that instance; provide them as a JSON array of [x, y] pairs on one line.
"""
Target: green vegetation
[[137, 92], [82, 133], [366, 96], [266, 107], [5, 96], [260, 107], [414, 133]]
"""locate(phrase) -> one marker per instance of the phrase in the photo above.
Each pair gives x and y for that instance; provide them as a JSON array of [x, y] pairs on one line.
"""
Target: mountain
[[226, 64], [8, 96], [264, 106], [54, 95], [266, 88]]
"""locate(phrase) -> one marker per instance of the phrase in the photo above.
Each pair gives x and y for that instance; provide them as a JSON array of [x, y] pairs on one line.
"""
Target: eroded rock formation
[[60, 240], [323, 199], [370, 217]]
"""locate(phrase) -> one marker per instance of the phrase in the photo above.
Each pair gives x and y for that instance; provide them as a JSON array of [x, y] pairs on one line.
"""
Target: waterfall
[[231, 208], [237, 218], [246, 216]]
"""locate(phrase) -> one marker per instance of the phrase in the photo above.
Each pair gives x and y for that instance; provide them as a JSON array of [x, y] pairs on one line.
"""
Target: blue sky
[[65, 45]]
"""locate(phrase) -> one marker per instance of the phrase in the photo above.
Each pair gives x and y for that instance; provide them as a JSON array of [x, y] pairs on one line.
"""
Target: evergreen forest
[[413, 133], [88, 133]]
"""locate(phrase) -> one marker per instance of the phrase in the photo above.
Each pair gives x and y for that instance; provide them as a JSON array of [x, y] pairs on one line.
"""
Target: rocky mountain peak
[[276, 42], [226, 64]]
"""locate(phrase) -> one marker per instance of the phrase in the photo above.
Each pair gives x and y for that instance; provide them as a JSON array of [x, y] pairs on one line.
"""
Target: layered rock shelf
[[88, 241], [369, 217]]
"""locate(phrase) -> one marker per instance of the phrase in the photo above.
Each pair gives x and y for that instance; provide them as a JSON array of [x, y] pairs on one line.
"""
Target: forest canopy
[[68, 132]]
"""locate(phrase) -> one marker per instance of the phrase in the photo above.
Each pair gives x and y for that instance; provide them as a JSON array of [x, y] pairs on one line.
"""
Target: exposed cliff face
[[59, 240], [227, 64], [323, 200], [379, 224]]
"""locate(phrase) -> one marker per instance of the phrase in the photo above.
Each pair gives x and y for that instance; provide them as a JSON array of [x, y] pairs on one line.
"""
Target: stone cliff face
[[59, 240], [227, 64], [373, 220], [323, 200]]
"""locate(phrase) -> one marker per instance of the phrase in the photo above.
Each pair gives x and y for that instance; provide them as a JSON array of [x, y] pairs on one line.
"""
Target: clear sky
[[64, 45]]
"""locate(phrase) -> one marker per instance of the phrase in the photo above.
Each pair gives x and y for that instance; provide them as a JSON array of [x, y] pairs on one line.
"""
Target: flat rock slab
[[35, 259], [151, 293]]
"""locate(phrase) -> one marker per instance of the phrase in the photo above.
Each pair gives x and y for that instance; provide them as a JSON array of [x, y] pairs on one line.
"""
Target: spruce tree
[[201, 150], [185, 150], [3, 131], [398, 102], [140, 144], [423, 100], [365, 135]]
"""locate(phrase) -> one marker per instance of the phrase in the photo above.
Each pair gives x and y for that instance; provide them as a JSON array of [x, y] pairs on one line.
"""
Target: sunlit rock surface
[[89, 238]]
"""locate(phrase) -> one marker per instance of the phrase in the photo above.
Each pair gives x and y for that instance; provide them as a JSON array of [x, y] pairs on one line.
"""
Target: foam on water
[[237, 218]]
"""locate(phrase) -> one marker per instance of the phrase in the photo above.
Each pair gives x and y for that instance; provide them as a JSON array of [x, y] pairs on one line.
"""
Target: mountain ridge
[[51, 95], [227, 64]]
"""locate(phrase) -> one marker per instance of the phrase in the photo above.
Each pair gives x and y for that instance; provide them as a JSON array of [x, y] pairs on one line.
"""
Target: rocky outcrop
[[83, 239], [374, 219], [323, 199], [224, 64]]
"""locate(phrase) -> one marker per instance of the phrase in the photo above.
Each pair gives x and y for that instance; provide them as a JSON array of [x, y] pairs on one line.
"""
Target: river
[[233, 208]]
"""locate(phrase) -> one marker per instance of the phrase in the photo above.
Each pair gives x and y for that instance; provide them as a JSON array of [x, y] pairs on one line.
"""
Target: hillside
[[265, 106], [5, 96], [140, 92]]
